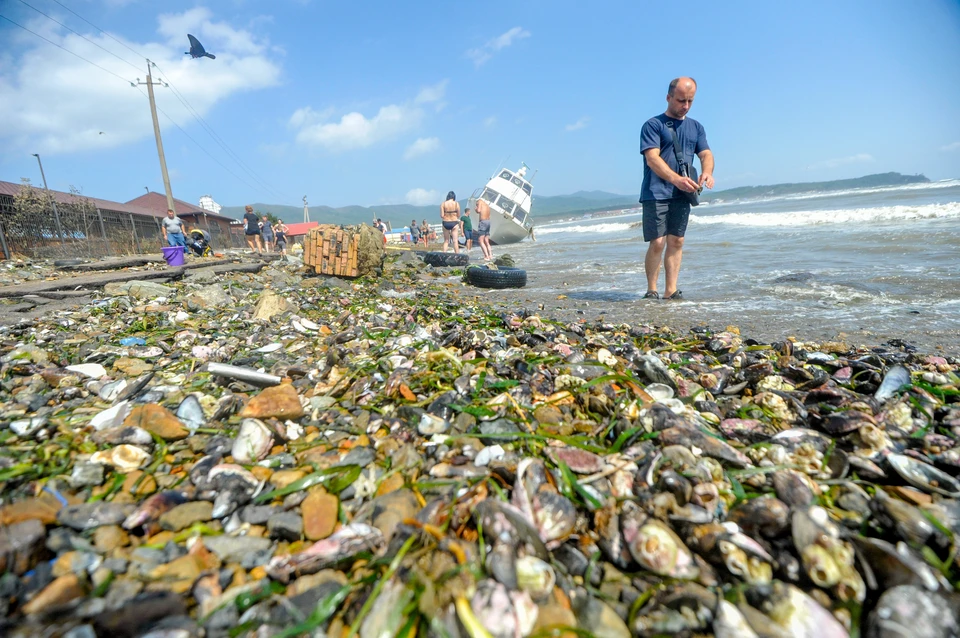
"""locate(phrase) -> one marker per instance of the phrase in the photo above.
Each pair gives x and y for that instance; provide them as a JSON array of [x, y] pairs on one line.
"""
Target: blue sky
[[387, 102]]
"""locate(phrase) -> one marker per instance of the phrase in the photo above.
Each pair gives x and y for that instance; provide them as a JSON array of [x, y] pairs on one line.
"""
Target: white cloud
[[422, 146], [355, 130], [579, 124], [502, 41], [490, 122], [433, 93], [955, 146], [859, 158], [422, 197], [53, 102]]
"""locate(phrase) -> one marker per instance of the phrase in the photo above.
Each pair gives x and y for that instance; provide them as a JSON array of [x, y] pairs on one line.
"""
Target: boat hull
[[503, 230]]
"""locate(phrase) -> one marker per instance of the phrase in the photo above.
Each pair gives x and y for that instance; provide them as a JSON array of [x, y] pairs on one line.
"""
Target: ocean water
[[865, 265]]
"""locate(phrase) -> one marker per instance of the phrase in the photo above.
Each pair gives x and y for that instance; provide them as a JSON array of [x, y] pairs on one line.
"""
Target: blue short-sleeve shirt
[[656, 134]]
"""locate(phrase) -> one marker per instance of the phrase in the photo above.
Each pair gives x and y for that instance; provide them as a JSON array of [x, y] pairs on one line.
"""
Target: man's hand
[[706, 180], [686, 184]]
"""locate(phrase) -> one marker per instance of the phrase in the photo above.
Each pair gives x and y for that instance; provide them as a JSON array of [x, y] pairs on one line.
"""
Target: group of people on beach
[[262, 234], [455, 224]]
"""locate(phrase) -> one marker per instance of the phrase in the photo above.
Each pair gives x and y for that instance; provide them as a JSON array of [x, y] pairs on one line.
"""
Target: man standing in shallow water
[[665, 209]]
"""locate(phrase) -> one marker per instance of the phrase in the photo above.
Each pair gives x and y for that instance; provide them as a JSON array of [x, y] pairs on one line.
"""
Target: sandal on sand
[[652, 294], [675, 296]]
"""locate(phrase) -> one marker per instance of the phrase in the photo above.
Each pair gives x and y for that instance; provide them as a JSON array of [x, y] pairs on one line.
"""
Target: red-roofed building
[[90, 226], [300, 229], [221, 228]]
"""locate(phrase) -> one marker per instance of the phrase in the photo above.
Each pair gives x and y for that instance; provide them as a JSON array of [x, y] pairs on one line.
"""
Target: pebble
[[280, 401], [184, 515], [91, 515], [319, 511], [285, 526], [157, 420]]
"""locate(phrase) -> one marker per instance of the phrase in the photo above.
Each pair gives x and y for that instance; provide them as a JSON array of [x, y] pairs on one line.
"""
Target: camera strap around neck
[[676, 144]]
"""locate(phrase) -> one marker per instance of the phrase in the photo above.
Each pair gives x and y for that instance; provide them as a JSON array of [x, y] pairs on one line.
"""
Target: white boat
[[509, 195]]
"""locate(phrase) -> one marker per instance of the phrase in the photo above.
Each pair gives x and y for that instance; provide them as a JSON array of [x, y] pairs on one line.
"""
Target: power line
[[183, 100], [216, 138], [199, 145], [137, 53], [179, 95], [78, 34], [64, 48]]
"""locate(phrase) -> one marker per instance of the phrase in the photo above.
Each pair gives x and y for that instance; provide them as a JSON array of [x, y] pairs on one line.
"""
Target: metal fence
[[29, 226]]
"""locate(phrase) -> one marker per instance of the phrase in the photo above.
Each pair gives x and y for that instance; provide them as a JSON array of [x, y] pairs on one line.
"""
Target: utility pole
[[156, 132], [306, 211], [53, 201]]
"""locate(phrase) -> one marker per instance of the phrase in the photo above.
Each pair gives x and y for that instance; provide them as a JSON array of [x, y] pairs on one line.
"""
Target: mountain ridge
[[551, 206]]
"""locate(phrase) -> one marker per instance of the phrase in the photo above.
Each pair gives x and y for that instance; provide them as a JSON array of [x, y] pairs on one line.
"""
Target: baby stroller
[[199, 242]]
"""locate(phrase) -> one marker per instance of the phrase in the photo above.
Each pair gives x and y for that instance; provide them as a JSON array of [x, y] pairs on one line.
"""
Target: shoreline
[[369, 469]]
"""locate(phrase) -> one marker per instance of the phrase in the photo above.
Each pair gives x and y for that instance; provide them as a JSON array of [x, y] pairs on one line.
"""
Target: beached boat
[[509, 195]]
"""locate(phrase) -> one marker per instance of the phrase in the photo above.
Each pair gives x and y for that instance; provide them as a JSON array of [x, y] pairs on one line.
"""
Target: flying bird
[[197, 50]]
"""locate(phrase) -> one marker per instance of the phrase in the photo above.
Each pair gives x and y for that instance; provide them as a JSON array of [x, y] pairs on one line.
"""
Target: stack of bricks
[[331, 250]]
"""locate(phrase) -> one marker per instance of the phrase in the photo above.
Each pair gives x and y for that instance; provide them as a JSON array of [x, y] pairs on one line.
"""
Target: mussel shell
[[924, 476]]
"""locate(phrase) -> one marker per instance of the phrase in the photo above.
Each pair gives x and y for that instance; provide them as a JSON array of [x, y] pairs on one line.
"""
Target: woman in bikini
[[450, 216]]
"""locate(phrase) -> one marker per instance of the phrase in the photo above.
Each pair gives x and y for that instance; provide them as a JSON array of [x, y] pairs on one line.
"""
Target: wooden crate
[[331, 250]]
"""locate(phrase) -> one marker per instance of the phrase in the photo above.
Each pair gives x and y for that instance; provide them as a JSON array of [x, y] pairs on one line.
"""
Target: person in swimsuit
[[425, 232], [483, 229], [266, 232], [252, 230], [450, 216]]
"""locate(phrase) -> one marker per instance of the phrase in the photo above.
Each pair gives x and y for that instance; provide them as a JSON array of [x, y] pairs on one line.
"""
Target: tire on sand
[[436, 258], [483, 277]]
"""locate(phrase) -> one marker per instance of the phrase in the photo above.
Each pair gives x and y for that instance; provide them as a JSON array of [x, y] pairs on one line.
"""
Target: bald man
[[666, 209]]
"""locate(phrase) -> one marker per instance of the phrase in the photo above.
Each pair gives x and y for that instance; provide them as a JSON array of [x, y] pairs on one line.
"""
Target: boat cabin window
[[490, 196], [506, 175], [506, 204], [519, 215], [527, 188]]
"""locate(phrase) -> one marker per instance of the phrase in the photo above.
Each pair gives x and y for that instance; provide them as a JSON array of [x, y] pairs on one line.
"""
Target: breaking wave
[[841, 216], [584, 228]]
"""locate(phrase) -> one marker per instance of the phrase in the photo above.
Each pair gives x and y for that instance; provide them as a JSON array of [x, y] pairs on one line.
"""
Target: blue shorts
[[665, 217], [468, 234], [483, 228]]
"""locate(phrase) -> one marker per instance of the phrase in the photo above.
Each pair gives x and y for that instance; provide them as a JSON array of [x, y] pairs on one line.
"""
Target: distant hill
[[553, 206], [867, 181]]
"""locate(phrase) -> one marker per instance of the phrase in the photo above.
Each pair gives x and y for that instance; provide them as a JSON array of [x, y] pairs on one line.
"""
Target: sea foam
[[839, 216]]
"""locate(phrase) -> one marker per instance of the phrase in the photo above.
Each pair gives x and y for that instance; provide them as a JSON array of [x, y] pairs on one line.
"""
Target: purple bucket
[[173, 255]]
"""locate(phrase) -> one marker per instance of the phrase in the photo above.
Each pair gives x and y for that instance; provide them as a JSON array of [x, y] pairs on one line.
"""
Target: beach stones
[[281, 402], [319, 511], [270, 305], [90, 515], [157, 420], [185, 515], [20, 545]]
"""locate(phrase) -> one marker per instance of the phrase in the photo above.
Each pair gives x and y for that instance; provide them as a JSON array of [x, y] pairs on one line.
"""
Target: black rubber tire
[[435, 258], [483, 277]]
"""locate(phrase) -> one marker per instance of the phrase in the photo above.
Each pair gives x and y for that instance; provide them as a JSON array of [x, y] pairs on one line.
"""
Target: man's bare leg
[[671, 263], [651, 263]]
